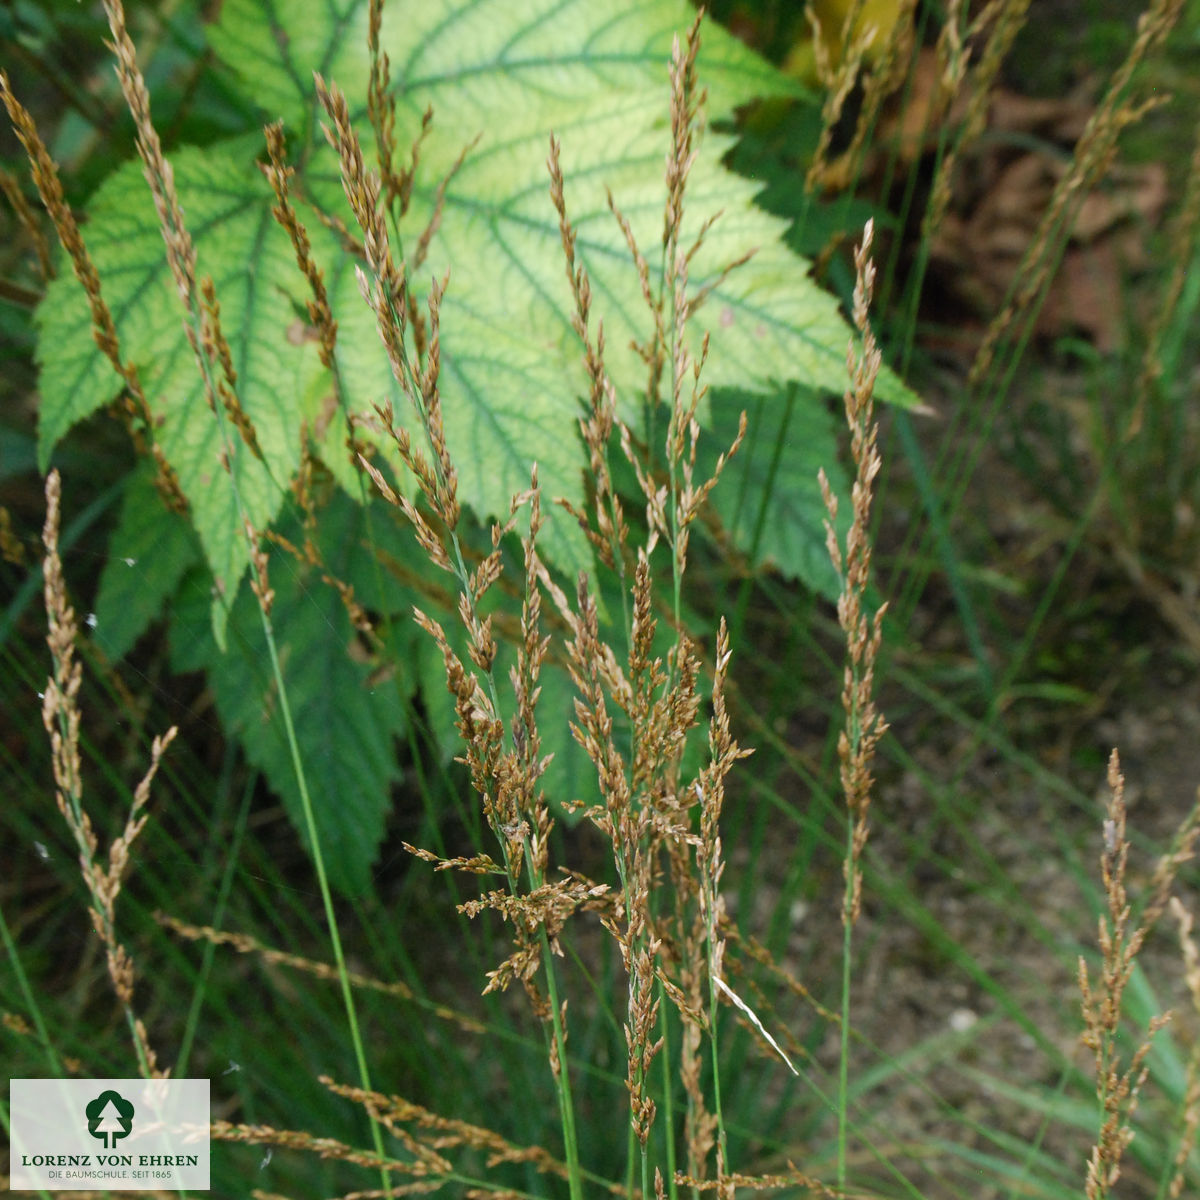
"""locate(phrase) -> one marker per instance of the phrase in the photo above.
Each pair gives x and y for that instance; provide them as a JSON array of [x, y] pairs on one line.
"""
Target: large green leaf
[[345, 722], [594, 72], [484, 64]]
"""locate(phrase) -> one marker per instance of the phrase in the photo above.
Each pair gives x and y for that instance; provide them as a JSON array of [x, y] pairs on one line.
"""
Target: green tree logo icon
[[109, 1117]]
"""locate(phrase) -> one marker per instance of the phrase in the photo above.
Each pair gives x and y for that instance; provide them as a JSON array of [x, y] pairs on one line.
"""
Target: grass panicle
[[610, 536], [864, 725], [437, 1134], [632, 718], [1119, 1080], [279, 175], [62, 719], [1190, 1117], [245, 944], [294, 1139], [504, 778], [884, 78]]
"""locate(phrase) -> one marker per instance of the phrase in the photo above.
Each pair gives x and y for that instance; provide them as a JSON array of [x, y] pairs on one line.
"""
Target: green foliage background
[[1000, 521]]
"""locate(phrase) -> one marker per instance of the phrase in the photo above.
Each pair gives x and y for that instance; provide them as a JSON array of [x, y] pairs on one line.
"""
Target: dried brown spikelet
[[49, 186], [686, 103], [245, 944], [1004, 21], [279, 174], [725, 1184], [451, 1133], [385, 291], [362, 189], [216, 349], [610, 535], [838, 82], [259, 580], [886, 75], [181, 253], [381, 105], [292, 1139]]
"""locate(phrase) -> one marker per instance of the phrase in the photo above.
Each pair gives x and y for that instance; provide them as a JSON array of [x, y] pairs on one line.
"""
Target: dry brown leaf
[[1001, 196]]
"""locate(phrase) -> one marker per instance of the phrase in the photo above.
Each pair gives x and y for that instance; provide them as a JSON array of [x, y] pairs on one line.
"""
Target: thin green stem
[[310, 825], [562, 1077], [668, 1090], [630, 1159], [844, 1049]]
